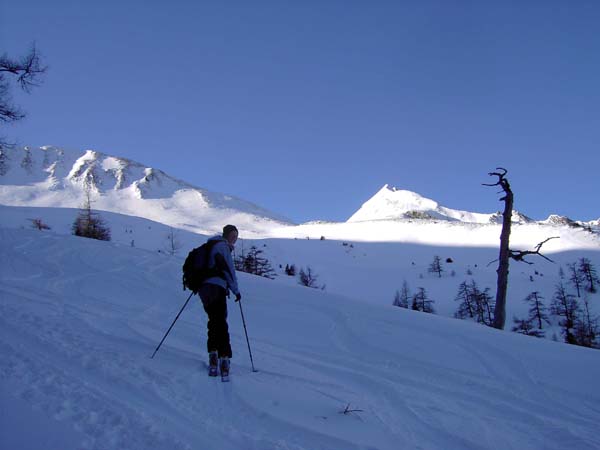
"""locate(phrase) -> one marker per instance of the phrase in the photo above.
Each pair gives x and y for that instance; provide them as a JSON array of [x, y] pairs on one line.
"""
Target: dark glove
[[238, 297]]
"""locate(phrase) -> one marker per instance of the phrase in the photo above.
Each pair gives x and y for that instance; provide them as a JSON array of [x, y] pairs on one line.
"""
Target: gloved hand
[[238, 297]]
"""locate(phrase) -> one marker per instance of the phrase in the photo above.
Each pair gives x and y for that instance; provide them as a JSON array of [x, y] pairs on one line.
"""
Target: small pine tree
[[255, 264], [576, 278], [436, 266], [537, 309], [466, 308], [586, 327], [524, 326], [290, 270], [90, 224], [401, 298], [565, 305], [485, 307], [421, 302], [308, 278], [589, 274], [474, 303]]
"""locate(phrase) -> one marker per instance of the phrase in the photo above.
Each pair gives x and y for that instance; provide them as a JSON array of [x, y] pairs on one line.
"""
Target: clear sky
[[308, 108]]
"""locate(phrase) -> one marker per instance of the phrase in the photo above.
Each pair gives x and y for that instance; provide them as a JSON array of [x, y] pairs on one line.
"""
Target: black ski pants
[[214, 301]]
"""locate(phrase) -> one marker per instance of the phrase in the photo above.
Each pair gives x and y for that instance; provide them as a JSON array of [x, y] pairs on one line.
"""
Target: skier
[[214, 293]]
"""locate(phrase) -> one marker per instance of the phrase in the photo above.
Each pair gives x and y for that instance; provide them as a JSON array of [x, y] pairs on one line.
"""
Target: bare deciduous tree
[[27, 72]]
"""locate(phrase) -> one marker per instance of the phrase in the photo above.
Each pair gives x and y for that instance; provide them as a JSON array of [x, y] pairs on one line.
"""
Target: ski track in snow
[[79, 320]]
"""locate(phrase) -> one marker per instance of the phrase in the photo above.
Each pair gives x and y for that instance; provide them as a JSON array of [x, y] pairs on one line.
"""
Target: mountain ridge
[[52, 176], [57, 177], [392, 203]]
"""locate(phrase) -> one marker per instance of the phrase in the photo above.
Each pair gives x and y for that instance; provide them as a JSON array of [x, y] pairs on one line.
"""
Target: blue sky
[[308, 108]]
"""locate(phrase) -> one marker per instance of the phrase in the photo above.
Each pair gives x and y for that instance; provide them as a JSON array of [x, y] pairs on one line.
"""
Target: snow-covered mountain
[[391, 203], [58, 178], [54, 177]]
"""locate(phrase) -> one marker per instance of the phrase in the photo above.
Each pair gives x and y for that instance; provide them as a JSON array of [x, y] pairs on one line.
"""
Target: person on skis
[[213, 293]]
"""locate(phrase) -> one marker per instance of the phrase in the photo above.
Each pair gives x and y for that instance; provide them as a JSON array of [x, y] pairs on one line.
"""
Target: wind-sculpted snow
[[80, 318]]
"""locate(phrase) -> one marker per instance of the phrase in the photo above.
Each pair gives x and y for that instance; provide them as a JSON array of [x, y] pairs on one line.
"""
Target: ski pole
[[247, 340], [167, 333]]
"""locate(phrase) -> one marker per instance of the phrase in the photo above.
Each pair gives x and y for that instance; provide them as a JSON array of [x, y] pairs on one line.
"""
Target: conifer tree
[[474, 303], [466, 308], [485, 307], [254, 263], [421, 302], [590, 276], [524, 326], [401, 298], [576, 278], [436, 266], [537, 309], [89, 223], [586, 327], [565, 305]]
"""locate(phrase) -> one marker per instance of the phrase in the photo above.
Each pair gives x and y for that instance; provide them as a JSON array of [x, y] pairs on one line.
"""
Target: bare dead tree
[[519, 255], [505, 252], [502, 284], [347, 410], [39, 224]]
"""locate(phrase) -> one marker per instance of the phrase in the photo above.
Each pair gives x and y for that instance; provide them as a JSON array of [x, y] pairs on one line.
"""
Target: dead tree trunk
[[504, 259], [505, 252]]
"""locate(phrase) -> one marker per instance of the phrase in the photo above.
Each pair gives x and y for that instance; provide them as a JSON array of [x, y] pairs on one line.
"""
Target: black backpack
[[195, 267]]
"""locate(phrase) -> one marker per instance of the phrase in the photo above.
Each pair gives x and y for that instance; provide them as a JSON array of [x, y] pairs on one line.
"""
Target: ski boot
[[213, 361], [224, 363]]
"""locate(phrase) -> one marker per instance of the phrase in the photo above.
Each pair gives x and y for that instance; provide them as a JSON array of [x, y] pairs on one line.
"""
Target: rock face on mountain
[[50, 176]]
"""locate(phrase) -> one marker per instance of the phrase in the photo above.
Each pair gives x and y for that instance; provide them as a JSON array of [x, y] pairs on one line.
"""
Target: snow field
[[80, 318]]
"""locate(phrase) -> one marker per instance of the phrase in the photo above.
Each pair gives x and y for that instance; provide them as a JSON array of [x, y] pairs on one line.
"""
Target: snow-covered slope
[[54, 177], [80, 318], [369, 261]]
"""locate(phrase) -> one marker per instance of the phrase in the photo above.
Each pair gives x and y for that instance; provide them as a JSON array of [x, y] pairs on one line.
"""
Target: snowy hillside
[[53, 177], [80, 318], [369, 261]]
